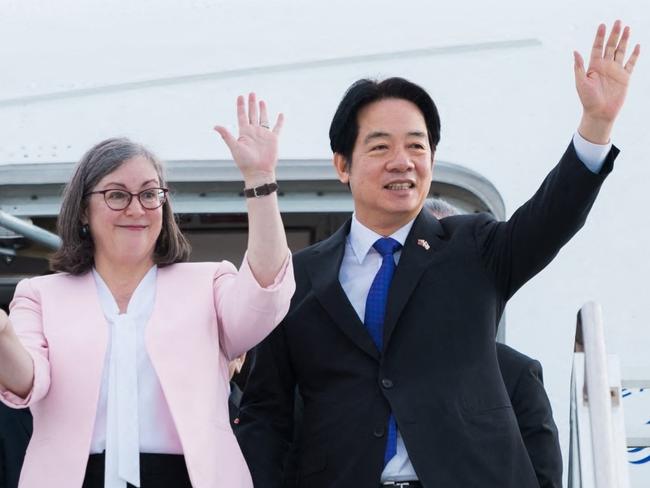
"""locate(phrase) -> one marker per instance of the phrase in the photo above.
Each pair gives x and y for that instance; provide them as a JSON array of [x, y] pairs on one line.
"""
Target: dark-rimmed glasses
[[150, 199]]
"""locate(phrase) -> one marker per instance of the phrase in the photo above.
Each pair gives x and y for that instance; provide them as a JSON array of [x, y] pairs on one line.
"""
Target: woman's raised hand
[[255, 150]]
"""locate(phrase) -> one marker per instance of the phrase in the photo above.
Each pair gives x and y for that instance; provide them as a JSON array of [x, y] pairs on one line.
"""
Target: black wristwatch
[[261, 191]]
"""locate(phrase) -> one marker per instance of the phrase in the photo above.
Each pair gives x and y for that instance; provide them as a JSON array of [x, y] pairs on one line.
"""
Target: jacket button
[[378, 432], [386, 383]]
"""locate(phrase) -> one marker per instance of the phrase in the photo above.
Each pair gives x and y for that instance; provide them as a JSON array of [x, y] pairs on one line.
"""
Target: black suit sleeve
[[538, 429], [516, 250], [266, 415]]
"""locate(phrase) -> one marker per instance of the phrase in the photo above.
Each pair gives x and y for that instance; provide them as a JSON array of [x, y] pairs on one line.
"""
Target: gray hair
[[76, 255], [441, 208]]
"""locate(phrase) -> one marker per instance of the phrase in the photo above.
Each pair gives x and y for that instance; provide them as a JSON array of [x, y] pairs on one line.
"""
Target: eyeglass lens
[[150, 199]]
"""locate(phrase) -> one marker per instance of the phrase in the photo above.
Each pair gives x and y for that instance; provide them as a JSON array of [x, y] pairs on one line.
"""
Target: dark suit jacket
[[524, 382], [438, 372], [15, 432]]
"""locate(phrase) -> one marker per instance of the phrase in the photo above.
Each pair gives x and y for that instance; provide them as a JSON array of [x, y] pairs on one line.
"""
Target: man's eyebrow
[[375, 135], [380, 134]]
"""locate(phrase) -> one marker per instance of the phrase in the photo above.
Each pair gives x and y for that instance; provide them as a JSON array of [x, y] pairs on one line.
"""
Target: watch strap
[[261, 191]]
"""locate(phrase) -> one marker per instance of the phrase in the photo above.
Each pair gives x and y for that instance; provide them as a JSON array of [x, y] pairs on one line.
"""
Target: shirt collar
[[361, 238]]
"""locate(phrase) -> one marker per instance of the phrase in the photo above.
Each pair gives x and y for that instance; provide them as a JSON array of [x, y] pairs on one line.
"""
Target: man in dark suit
[[390, 334], [523, 379], [524, 383]]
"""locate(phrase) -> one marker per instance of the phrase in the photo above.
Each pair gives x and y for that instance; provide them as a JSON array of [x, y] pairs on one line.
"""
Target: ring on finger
[[266, 126]]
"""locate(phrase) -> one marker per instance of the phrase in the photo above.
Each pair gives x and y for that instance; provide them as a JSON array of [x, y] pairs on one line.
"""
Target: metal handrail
[[596, 392], [30, 231], [597, 427]]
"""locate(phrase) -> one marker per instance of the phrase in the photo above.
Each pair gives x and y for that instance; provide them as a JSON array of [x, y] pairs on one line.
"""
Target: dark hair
[[344, 128], [76, 255]]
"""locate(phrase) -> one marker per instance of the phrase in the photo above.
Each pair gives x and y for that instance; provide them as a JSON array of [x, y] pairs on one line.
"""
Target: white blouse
[[132, 412]]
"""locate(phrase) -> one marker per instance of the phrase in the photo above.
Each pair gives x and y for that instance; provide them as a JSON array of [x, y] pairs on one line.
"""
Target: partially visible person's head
[[384, 136], [441, 208], [91, 228]]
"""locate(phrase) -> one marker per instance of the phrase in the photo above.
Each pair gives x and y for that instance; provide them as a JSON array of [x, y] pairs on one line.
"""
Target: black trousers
[[15, 432], [156, 471]]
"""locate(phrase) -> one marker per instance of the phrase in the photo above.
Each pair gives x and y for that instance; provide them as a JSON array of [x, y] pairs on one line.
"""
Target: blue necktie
[[374, 318]]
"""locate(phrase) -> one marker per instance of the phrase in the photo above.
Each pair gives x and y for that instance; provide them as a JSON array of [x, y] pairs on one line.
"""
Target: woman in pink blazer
[[123, 355]]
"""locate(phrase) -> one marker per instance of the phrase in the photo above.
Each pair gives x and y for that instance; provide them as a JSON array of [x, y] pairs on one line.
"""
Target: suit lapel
[[415, 259], [323, 268]]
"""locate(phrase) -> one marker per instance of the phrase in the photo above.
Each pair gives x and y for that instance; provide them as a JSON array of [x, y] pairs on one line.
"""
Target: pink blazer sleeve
[[25, 316], [248, 312]]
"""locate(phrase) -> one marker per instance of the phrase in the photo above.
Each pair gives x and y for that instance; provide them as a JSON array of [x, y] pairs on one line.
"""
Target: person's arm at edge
[[16, 366]]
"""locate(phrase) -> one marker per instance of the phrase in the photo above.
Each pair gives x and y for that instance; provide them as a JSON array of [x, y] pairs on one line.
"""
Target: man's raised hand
[[603, 86]]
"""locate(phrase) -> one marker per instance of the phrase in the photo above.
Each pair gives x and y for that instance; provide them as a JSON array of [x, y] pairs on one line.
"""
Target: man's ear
[[341, 167]]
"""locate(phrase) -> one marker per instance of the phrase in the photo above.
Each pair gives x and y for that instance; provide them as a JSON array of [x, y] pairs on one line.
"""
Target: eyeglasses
[[150, 199]]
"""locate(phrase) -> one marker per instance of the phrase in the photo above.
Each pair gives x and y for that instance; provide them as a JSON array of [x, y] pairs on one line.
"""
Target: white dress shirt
[[361, 263], [358, 269], [146, 413]]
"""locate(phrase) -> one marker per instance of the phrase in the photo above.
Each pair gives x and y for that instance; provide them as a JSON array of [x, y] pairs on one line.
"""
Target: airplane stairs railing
[[605, 451]]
